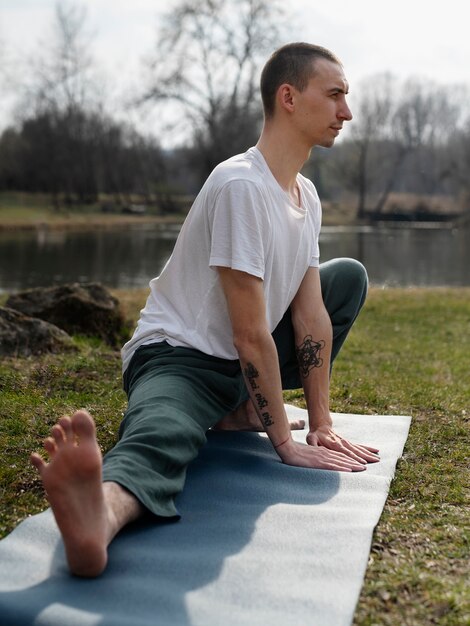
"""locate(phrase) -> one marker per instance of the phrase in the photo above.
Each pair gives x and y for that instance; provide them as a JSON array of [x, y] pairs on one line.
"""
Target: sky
[[425, 38]]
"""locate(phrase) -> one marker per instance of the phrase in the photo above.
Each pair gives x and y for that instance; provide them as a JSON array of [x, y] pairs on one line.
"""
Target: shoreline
[[86, 222], [23, 211], [77, 222]]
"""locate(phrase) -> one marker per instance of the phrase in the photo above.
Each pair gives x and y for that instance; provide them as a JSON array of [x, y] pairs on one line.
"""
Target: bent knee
[[347, 270], [355, 271]]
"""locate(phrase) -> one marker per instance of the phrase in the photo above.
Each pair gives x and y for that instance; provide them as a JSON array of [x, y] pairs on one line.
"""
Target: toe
[[66, 424], [50, 446], [58, 435], [37, 461], [83, 425]]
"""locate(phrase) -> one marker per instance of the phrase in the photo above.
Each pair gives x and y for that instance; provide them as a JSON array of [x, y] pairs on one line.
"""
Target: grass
[[21, 210], [407, 354]]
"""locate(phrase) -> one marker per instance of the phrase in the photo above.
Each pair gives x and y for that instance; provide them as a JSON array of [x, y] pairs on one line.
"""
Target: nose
[[345, 112]]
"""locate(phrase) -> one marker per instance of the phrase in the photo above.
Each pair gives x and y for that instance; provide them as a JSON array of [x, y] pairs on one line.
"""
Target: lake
[[131, 256]]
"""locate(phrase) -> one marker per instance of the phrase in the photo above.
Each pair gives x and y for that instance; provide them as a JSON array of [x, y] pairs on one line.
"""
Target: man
[[237, 315]]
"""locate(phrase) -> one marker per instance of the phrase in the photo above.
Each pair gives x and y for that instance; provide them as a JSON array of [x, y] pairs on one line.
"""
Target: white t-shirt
[[242, 219]]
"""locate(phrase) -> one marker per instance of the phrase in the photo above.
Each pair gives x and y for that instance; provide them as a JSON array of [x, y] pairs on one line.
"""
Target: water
[[425, 256], [131, 256]]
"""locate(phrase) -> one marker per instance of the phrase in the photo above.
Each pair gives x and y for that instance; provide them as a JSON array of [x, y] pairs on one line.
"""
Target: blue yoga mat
[[259, 544]]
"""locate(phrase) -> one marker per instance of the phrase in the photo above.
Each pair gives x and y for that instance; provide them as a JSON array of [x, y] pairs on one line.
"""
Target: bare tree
[[361, 157], [66, 144], [424, 121], [60, 93], [399, 133], [206, 62], [63, 72], [458, 162]]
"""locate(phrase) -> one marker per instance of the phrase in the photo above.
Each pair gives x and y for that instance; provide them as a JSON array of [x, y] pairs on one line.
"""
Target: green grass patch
[[407, 354], [22, 210]]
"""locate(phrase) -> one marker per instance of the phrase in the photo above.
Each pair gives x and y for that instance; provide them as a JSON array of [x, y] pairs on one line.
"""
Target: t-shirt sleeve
[[316, 217], [240, 228], [315, 258]]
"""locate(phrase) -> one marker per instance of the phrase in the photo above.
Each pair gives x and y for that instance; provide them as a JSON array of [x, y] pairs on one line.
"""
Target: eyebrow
[[344, 90]]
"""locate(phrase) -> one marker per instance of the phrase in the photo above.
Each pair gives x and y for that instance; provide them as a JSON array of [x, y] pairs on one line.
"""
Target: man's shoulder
[[241, 167]]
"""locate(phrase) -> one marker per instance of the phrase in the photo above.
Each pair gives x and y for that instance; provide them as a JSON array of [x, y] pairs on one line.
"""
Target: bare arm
[[314, 338], [260, 366], [313, 341]]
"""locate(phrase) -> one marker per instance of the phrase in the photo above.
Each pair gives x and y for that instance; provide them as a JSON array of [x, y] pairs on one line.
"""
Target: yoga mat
[[259, 544]]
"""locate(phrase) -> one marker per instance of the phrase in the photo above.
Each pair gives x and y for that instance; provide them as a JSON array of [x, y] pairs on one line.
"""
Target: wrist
[[278, 445], [284, 447], [318, 422]]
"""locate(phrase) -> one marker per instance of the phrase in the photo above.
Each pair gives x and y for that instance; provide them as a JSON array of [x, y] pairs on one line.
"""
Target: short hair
[[292, 64]]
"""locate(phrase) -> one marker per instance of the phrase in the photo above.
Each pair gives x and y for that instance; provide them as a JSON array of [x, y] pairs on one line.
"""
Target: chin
[[327, 143]]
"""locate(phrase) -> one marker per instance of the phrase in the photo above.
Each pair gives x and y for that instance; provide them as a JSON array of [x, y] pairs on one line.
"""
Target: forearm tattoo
[[308, 355], [251, 374]]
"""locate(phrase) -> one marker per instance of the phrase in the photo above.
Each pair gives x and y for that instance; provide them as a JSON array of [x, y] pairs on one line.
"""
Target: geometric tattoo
[[308, 355], [251, 374]]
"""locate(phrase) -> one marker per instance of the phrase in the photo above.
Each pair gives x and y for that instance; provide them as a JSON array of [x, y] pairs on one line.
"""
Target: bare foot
[[72, 480], [245, 418]]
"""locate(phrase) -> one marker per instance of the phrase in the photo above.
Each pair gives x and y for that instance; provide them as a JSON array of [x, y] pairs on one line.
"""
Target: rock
[[21, 335], [78, 308]]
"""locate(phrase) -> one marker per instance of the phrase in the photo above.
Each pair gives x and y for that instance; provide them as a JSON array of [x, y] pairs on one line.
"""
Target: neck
[[285, 157]]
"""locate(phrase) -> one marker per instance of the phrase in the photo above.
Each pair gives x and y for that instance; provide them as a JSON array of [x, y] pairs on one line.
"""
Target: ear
[[286, 97]]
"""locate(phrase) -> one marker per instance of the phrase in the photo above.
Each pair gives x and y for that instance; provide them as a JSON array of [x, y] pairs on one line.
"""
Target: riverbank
[[34, 211], [409, 353], [48, 220], [21, 211], [21, 220]]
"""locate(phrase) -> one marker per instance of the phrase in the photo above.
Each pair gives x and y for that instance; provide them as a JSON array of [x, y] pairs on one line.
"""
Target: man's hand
[[317, 457], [325, 437]]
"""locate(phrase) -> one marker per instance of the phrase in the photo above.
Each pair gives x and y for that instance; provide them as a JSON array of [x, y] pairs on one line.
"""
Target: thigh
[[175, 395], [165, 382], [344, 289], [344, 286]]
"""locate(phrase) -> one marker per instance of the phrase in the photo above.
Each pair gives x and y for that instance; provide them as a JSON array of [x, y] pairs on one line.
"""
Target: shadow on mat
[[153, 566]]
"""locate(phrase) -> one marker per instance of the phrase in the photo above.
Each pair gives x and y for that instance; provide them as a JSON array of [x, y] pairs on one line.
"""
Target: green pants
[[176, 394]]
